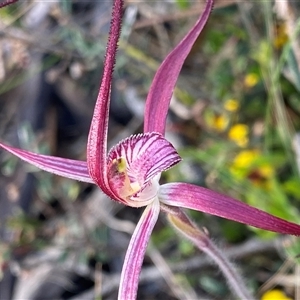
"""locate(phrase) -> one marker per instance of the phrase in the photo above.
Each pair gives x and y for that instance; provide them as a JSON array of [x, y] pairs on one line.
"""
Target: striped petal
[[135, 164], [207, 201], [136, 252], [73, 169], [163, 84]]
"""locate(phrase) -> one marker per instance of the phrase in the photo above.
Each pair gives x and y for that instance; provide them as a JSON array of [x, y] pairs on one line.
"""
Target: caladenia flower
[[129, 173]]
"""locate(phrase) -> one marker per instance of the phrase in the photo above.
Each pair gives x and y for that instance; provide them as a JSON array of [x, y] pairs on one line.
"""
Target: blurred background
[[234, 118]]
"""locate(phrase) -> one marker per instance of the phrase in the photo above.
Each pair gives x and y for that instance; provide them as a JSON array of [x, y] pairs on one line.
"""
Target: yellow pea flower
[[275, 295], [251, 80], [266, 171], [239, 134], [231, 105], [220, 122], [244, 166], [245, 158], [217, 122]]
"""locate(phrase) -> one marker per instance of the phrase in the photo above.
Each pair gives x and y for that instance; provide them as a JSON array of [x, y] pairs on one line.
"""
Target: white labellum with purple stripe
[[135, 165]]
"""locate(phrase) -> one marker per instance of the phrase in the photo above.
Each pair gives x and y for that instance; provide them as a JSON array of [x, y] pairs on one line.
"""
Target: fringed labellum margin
[[135, 165]]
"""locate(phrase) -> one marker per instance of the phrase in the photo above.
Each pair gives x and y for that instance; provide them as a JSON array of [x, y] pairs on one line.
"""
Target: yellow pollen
[[129, 188], [120, 164]]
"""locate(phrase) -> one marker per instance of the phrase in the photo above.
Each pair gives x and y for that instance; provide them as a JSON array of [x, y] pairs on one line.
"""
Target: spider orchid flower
[[129, 173]]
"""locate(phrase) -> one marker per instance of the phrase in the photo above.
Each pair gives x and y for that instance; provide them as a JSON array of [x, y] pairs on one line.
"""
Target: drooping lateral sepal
[[134, 166]]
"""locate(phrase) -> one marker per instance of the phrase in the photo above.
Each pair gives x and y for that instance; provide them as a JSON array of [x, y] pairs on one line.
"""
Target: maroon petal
[[73, 169], [97, 140], [207, 201], [163, 84]]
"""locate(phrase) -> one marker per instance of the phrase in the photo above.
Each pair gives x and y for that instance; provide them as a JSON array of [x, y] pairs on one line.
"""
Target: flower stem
[[7, 2], [200, 238]]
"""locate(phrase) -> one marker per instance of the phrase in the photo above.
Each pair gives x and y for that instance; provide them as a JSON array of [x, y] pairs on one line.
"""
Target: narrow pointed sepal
[[204, 200], [73, 169], [161, 90], [136, 251], [134, 166], [97, 139]]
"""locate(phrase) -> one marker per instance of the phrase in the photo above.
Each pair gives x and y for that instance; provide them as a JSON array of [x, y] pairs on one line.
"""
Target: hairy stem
[[185, 226], [7, 2]]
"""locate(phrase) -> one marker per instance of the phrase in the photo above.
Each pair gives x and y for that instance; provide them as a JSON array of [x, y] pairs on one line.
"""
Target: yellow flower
[[266, 171], [220, 122], [217, 122], [231, 105], [245, 158], [245, 165], [242, 163], [251, 80], [275, 295], [239, 134]]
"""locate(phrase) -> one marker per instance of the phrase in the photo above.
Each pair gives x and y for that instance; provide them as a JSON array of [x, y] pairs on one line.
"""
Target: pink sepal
[[136, 251], [198, 198], [97, 139], [73, 169], [163, 84]]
